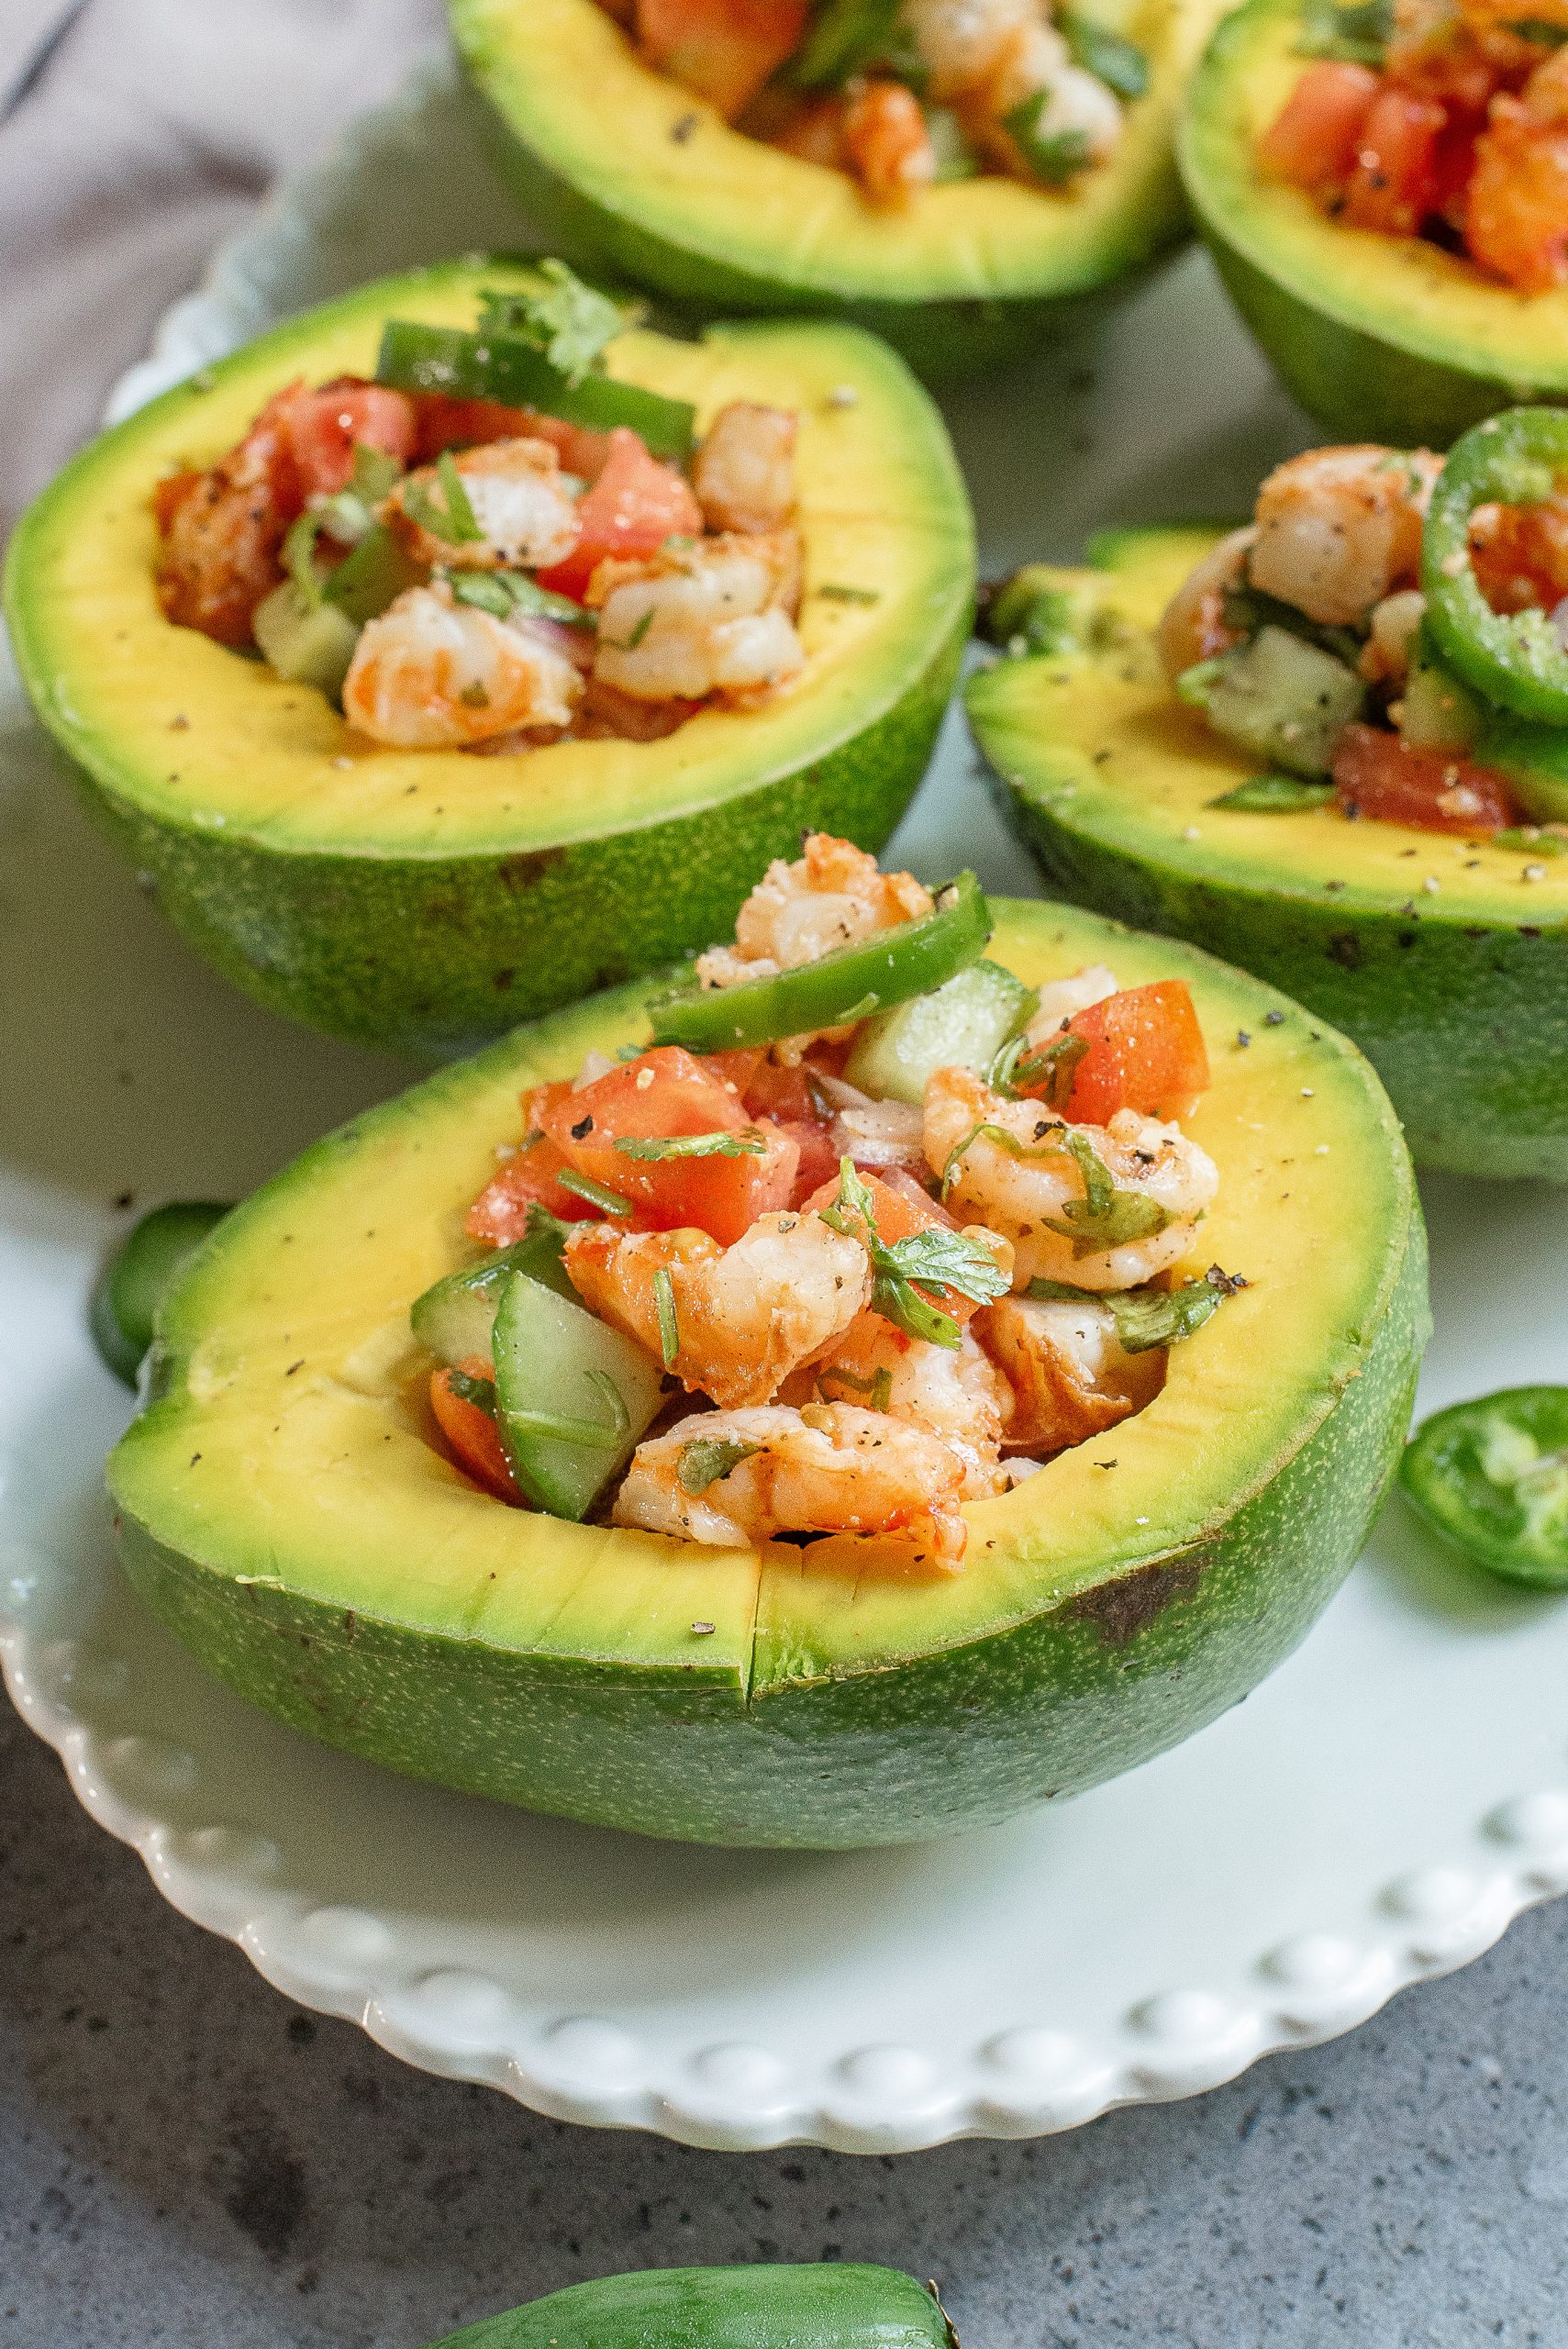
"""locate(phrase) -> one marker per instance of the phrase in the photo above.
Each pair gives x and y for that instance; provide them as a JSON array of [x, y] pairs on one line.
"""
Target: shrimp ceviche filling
[[1446, 119], [1332, 639], [482, 550], [902, 95], [841, 1278]]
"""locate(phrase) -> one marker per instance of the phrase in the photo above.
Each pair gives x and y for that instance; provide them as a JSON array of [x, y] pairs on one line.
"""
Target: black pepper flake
[[584, 1128], [681, 129], [294, 1366], [1242, 1038], [194, 1457], [702, 1629], [1273, 1019]]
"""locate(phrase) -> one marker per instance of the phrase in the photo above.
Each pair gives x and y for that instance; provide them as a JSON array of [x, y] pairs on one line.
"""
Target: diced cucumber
[[1283, 699], [961, 1025], [573, 1395], [1436, 712], [313, 643], [455, 1318], [371, 578]]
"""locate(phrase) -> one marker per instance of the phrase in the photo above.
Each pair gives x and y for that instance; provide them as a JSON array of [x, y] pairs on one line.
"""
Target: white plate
[[1378, 1812]]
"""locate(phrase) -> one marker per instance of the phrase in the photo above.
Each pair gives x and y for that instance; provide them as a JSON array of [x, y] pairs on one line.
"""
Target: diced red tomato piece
[[1317, 136], [448, 423], [724, 50], [500, 1213], [1379, 776], [1453, 165], [635, 504], [323, 428], [668, 1091], [471, 1433], [900, 1208], [1146, 1052], [1395, 185], [818, 1159], [1519, 554], [1516, 219]]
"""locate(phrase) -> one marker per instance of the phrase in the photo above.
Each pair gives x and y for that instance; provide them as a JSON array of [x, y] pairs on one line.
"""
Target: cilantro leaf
[[709, 1460], [1145, 1317], [509, 593], [558, 314], [933, 1259], [847, 36], [1119, 64], [452, 523], [598, 1194], [877, 1389], [480, 1392], [746, 1144], [1020, 1067], [1053, 156], [1005, 1140], [1355, 35], [664, 1306], [1274, 794], [1107, 1216]]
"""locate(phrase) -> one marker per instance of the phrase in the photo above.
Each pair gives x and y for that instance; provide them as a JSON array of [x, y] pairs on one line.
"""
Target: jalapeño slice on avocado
[[126, 1293], [1491, 1477], [1515, 658], [824, 2306], [850, 984], [416, 358]]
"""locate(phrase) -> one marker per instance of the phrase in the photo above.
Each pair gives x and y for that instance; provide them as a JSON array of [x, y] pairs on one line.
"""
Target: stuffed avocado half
[[860, 1507], [418, 893], [1352, 269], [630, 170], [1215, 805]]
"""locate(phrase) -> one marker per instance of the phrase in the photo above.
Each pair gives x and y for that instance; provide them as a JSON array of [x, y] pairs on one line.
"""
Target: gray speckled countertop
[[187, 2160]]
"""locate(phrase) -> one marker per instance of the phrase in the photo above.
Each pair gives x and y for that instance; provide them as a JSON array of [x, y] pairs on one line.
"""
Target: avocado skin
[[1359, 387], [431, 955], [825, 2305], [1451, 1018], [948, 1742]]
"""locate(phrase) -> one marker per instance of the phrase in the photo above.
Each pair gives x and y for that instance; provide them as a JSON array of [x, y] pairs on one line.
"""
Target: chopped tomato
[[1145, 1053], [222, 529], [1394, 183], [500, 1213], [886, 142], [1453, 165], [170, 496], [900, 1208], [1519, 554], [668, 1093], [1439, 57], [632, 508], [767, 1089], [724, 50], [1515, 219], [448, 423], [1316, 138], [818, 1159], [1379, 776], [324, 427], [471, 1433]]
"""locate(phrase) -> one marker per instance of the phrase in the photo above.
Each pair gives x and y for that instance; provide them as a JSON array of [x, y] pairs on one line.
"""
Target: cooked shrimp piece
[[1023, 1196], [1062, 1000], [222, 530], [953, 1392], [830, 896], [698, 620], [745, 1316], [1068, 1376], [430, 674], [961, 43], [1338, 529], [522, 508], [831, 1468], [744, 473], [887, 144], [1385, 655], [1193, 626]]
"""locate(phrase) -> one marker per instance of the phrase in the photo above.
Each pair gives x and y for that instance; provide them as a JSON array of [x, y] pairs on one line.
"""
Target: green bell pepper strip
[[830, 2306], [889, 967], [1515, 659], [129, 1289], [1491, 1478], [416, 358]]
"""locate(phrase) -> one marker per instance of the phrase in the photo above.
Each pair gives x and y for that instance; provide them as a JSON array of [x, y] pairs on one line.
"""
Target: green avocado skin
[[1456, 1019], [950, 1741], [433, 955], [819, 2307], [1359, 387]]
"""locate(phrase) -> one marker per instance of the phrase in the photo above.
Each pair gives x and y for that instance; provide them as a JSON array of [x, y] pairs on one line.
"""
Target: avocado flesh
[[284, 1510], [1380, 337], [429, 899], [969, 273], [1459, 995]]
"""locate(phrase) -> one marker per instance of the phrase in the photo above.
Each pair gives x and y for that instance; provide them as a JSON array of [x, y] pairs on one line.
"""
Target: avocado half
[[427, 899], [624, 168], [280, 1507], [1444, 961], [1380, 337]]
